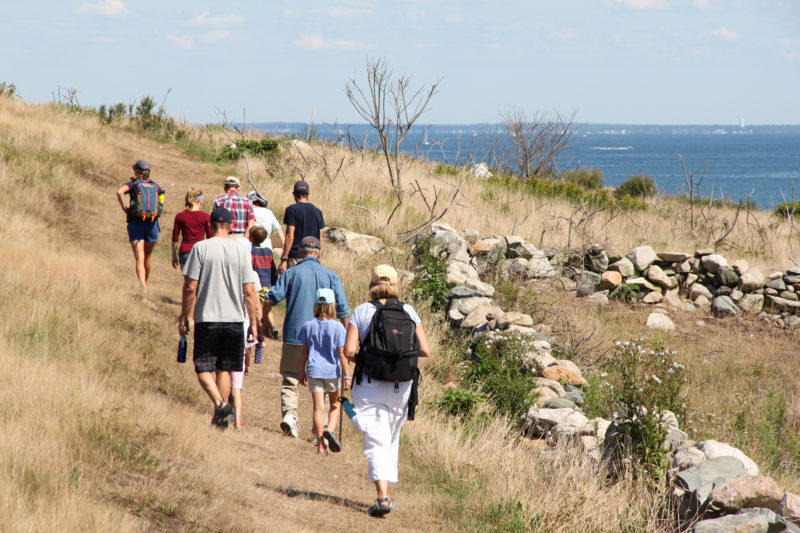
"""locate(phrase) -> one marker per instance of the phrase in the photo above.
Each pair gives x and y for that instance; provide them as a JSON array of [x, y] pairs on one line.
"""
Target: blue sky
[[619, 61]]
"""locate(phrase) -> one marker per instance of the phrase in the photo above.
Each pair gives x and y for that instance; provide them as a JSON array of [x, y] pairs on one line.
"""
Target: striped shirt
[[240, 207]]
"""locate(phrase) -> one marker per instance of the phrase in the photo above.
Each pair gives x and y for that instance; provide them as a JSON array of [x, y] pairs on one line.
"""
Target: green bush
[[626, 292], [443, 169], [499, 371], [771, 433], [588, 178], [264, 147], [643, 383], [430, 278], [639, 186], [460, 402], [785, 209]]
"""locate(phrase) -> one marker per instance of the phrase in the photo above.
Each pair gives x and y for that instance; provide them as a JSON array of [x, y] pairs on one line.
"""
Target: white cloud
[[106, 8], [181, 41], [455, 18], [204, 19], [639, 5], [349, 14], [793, 57], [564, 34], [320, 43], [703, 4], [107, 40], [216, 36], [789, 43], [726, 33]]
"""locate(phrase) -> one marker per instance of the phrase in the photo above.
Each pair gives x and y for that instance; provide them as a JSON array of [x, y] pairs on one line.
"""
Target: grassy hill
[[102, 430]]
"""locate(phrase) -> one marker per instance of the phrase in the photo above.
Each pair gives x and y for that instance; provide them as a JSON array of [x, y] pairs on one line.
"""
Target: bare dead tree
[[789, 213], [390, 106], [536, 141]]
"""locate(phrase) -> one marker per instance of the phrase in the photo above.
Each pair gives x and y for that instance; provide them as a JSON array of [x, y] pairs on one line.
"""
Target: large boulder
[[744, 492], [694, 485], [539, 265], [520, 249], [596, 260], [789, 507], [657, 276], [558, 423], [782, 304], [673, 257], [458, 272], [752, 303], [698, 289], [514, 318], [713, 449], [610, 280], [564, 375], [481, 315], [752, 280], [357, 243], [723, 306], [642, 257], [713, 262], [624, 266]]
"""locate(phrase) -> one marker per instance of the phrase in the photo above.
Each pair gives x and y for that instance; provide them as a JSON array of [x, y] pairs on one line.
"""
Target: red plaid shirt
[[240, 207]]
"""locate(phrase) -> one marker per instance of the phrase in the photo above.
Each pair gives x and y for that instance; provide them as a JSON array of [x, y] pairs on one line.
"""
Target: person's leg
[[382, 488], [148, 258], [237, 406], [318, 417], [291, 361], [333, 414], [138, 256], [208, 384], [223, 383]]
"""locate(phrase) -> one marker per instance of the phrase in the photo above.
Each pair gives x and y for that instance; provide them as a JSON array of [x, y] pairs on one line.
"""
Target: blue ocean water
[[734, 161]]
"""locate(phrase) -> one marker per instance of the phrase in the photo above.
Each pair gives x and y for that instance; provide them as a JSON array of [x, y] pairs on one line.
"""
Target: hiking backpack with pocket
[[145, 203], [390, 350]]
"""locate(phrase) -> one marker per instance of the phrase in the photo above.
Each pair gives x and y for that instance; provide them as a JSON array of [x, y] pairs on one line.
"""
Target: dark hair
[[220, 225], [300, 194], [257, 235]]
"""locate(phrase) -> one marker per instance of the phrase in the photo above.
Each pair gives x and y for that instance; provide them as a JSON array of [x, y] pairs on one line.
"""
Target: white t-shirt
[[220, 267], [380, 392], [266, 219]]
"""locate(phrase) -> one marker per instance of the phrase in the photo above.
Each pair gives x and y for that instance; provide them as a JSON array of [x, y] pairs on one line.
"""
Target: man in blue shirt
[[298, 285]]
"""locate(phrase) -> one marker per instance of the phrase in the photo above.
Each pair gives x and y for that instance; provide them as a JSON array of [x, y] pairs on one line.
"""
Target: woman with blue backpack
[[384, 338], [146, 202]]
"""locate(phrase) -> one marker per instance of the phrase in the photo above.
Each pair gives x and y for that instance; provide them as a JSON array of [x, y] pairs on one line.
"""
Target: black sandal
[[381, 507]]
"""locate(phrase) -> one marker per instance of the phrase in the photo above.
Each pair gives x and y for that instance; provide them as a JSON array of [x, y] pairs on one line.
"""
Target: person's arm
[[287, 247], [303, 377], [251, 302], [281, 236], [351, 342], [175, 261], [345, 369], [121, 192], [424, 346], [189, 298]]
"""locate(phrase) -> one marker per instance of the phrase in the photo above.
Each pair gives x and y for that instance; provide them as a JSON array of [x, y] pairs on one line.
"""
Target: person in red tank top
[[194, 224]]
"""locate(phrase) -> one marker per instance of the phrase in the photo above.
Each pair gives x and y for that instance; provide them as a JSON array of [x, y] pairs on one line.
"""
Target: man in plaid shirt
[[240, 206]]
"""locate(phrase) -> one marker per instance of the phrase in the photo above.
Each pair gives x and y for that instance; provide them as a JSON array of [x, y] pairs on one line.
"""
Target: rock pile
[[712, 483]]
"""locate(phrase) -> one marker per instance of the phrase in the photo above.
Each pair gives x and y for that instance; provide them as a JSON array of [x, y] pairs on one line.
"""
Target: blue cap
[[220, 214], [325, 296]]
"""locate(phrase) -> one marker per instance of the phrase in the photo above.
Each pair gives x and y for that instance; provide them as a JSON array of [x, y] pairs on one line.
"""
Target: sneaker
[[221, 413], [333, 442], [289, 426]]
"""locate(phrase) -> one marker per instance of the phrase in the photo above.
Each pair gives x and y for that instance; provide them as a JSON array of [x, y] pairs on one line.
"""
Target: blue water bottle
[[182, 349]]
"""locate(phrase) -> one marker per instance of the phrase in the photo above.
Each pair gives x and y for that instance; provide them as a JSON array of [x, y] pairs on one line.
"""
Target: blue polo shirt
[[298, 286]]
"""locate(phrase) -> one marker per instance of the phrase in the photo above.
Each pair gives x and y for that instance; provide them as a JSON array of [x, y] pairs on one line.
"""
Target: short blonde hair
[[325, 311], [381, 290], [191, 197]]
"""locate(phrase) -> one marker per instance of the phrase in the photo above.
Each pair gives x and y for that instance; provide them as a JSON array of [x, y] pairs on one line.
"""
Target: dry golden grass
[[102, 430]]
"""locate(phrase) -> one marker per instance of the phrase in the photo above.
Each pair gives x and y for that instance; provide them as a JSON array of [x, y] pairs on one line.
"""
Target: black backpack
[[389, 351]]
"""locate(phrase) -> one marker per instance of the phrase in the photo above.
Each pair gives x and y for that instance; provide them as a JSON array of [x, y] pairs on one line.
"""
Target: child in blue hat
[[323, 362]]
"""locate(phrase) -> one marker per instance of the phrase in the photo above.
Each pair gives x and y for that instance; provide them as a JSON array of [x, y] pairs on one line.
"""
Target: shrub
[[443, 169], [639, 186], [430, 278], [644, 383], [498, 370], [785, 209], [626, 292], [264, 147], [460, 402], [588, 178]]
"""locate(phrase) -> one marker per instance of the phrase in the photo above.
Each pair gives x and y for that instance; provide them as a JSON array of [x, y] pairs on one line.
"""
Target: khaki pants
[[291, 261], [291, 363]]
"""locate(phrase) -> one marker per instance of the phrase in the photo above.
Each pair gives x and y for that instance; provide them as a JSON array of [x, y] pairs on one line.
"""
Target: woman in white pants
[[381, 407]]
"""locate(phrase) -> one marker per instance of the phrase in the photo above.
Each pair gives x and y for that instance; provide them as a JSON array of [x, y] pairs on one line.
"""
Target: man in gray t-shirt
[[219, 294]]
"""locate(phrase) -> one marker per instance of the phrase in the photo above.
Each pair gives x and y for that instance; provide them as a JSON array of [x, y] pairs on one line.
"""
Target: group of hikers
[[231, 283]]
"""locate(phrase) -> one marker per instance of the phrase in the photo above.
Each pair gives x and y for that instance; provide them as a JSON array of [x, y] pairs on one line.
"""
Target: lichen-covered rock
[[356, 243], [657, 276], [560, 423], [687, 457], [673, 257], [458, 273], [514, 318], [653, 298], [782, 304], [479, 316], [713, 262], [752, 280], [642, 257], [728, 277], [610, 280], [752, 303], [723, 306], [624, 266], [698, 289], [789, 507], [563, 375]]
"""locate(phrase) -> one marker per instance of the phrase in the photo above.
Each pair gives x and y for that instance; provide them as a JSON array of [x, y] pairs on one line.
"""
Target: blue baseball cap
[[325, 296]]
